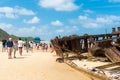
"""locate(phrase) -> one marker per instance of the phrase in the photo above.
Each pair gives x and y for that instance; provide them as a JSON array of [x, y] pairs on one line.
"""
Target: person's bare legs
[[20, 51], [9, 53], [2, 49], [14, 53]]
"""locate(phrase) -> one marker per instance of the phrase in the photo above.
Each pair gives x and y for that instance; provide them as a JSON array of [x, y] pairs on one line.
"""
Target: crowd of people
[[42, 46], [12, 46]]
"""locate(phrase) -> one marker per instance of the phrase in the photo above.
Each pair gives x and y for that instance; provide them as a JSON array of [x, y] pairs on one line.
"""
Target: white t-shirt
[[31, 45], [20, 43]]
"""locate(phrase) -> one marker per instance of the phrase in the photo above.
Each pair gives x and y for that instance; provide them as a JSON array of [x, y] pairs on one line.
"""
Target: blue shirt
[[9, 44]]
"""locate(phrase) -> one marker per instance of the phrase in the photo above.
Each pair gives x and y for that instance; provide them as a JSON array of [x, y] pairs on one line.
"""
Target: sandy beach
[[37, 66]]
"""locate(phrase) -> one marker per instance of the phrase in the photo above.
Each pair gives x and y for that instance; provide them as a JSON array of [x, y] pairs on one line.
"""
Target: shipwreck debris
[[92, 48], [104, 45]]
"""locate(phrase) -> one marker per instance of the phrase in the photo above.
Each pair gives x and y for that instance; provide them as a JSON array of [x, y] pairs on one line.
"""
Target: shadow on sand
[[20, 58]]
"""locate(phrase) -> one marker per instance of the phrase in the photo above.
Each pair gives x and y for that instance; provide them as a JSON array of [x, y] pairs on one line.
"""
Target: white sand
[[88, 64], [36, 66]]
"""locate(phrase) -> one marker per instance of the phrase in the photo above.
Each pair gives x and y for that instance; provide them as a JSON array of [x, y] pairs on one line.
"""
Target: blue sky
[[50, 18]]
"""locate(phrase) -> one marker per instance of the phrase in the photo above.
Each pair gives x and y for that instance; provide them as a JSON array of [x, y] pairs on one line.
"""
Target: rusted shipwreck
[[107, 45]]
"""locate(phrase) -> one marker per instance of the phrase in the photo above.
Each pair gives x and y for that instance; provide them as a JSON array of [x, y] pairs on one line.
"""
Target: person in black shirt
[[4, 42]]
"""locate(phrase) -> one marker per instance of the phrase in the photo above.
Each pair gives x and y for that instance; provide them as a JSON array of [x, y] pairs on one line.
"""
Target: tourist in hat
[[10, 48]]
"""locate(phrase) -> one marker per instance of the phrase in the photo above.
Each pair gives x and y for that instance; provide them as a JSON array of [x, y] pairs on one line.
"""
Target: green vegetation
[[5, 35]]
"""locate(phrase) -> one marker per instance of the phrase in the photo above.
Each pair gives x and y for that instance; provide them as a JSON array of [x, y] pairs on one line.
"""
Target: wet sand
[[37, 66]]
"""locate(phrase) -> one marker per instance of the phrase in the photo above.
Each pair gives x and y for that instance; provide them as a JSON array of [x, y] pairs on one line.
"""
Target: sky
[[50, 18]]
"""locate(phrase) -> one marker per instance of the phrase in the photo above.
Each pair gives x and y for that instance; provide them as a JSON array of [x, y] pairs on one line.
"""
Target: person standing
[[46, 47], [4, 42], [10, 48], [31, 46], [20, 46], [15, 46], [43, 46]]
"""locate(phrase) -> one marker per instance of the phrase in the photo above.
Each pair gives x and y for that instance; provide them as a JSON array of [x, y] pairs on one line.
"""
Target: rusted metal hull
[[94, 44]]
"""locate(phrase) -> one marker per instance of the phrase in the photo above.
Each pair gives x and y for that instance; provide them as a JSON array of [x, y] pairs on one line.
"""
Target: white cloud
[[67, 29], [10, 12], [6, 9], [32, 21], [23, 11], [59, 5], [10, 15], [31, 31], [71, 29], [9, 28], [26, 31], [88, 11], [75, 28], [83, 17], [6, 26], [91, 25], [40, 31], [44, 32], [114, 0], [34, 31], [7, 12], [60, 31], [99, 21], [57, 23]]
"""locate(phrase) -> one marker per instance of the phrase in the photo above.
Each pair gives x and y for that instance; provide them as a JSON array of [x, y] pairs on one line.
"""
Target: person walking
[[20, 46], [31, 46], [43, 46], [4, 43], [15, 46], [46, 47], [10, 48]]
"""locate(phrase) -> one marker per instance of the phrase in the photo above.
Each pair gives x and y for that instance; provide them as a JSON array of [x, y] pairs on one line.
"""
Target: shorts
[[3, 46], [20, 47], [15, 49], [10, 49]]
